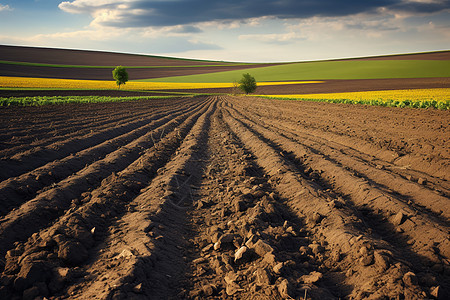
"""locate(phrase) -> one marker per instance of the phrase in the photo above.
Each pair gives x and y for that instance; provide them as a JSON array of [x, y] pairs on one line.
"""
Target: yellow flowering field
[[438, 94], [52, 83], [419, 98]]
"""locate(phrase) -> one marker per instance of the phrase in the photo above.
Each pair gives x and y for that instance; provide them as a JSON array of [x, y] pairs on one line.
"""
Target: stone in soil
[[285, 289], [261, 248], [312, 277]]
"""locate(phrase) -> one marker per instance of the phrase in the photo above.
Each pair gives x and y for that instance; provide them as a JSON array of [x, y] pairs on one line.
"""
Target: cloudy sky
[[233, 30]]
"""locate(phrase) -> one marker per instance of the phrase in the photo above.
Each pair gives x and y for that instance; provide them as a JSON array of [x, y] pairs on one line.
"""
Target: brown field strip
[[224, 197], [106, 73], [88, 58]]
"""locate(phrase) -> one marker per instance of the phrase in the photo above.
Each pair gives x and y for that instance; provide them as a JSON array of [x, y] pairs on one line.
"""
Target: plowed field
[[224, 198]]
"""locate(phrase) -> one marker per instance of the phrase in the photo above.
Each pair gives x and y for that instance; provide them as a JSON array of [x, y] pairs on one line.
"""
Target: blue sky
[[233, 30]]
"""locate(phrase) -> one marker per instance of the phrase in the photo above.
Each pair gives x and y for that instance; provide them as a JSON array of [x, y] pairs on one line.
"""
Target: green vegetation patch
[[325, 70], [443, 105], [45, 100]]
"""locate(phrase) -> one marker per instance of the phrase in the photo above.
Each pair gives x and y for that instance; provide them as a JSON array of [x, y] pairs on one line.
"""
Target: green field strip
[[326, 70], [47, 100], [6, 62], [442, 105]]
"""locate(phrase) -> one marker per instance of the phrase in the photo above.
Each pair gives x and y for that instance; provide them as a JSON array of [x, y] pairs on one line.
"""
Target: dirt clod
[[399, 218], [312, 277], [285, 289], [410, 279]]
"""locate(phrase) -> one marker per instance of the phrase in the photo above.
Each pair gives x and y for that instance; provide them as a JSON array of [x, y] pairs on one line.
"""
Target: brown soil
[[224, 198], [106, 74], [88, 58], [438, 55]]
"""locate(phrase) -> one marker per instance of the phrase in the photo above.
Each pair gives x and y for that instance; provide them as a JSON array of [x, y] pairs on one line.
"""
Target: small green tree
[[247, 83], [120, 75]]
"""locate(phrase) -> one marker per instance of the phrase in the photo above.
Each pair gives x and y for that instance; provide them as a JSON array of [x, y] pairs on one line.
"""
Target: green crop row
[[443, 105], [44, 100]]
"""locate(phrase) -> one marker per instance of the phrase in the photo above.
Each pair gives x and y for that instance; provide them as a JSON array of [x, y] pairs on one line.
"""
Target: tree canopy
[[120, 75], [247, 83]]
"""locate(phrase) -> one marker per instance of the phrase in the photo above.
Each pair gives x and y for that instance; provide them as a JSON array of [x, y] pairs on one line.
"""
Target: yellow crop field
[[438, 94], [52, 83], [419, 98]]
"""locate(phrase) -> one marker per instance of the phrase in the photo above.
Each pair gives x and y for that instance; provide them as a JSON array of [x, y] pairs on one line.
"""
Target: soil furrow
[[75, 237], [37, 134], [32, 120], [404, 137], [38, 156], [57, 138], [365, 195], [48, 205], [346, 234], [383, 172], [236, 200], [142, 251], [17, 190], [225, 198]]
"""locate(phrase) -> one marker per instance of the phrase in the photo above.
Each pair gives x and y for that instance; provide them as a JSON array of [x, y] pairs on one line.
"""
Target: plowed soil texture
[[224, 198]]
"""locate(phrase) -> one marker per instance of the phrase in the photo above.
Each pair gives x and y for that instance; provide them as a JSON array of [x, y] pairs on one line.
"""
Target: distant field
[[56, 56], [351, 69], [28, 71], [97, 65]]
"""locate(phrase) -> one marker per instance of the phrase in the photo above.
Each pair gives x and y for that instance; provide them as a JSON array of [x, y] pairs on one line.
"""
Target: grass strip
[[327, 70]]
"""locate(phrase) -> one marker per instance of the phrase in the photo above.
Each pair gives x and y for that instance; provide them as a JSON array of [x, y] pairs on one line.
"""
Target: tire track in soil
[[17, 190], [23, 162], [371, 266], [48, 205]]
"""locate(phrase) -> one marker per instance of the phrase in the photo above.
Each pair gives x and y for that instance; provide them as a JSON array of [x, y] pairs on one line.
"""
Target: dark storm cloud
[[421, 7], [143, 13], [167, 13]]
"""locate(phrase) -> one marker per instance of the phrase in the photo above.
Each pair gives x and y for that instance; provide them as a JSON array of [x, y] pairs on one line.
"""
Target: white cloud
[[91, 6], [273, 38], [5, 8]]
